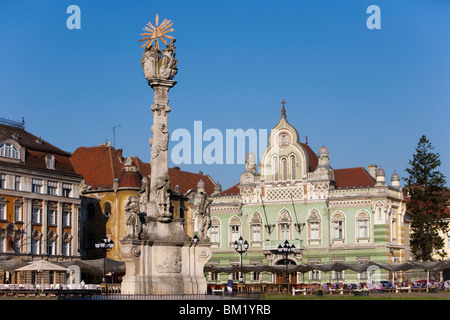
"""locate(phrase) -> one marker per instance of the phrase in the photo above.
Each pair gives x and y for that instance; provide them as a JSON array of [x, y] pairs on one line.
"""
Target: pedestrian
[[230, 285]]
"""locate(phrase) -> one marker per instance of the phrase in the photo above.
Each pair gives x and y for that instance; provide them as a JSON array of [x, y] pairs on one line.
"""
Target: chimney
[[373, 170]]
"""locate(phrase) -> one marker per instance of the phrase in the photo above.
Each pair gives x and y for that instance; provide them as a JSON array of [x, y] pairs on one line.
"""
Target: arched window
[[50, 161], [284, 225], [214, 231], [275, 168], [255, 228], [362, 224], [337, 223], [8, 150], [293, 165], [234, 226], [284, 169], [107, 209], [314, 226]]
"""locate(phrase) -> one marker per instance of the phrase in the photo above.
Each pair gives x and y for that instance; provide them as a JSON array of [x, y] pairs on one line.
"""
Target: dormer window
[[50, 161], [8, 150]]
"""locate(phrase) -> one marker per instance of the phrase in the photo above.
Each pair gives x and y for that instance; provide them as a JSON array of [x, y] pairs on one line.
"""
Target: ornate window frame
[[256, 224], [234, 229], [284, 225], [215, 229], [338, 223], [363, 216], [314, 217]]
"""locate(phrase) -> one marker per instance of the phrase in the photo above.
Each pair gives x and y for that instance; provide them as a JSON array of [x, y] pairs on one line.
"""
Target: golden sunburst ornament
[[155, 33]]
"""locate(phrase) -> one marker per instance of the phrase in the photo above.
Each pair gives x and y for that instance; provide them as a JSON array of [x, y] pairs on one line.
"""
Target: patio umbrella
[[42, 265], [11, 264], [95, 266]]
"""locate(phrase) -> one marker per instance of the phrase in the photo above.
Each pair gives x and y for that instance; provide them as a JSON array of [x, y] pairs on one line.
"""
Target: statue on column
[[162, 192], [132, 209], [160, 64], [204, 217]]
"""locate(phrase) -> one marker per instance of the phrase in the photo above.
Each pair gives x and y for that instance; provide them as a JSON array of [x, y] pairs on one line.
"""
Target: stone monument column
[[160, 257], [159, 163]]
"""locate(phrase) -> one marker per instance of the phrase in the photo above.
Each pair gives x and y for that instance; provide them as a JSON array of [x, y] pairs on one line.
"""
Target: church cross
[[283, 110]]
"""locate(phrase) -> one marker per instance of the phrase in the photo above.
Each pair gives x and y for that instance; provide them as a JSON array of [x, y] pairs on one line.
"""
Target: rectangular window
[[67, 189], [17, 246], [2, 245], [51, 217], [36, 215], [51, 247], [18, 213], [315, 275], [338, 275], [285, 233], [234, 233], [2, 181], [363, 228], [314, 230], [2, 211], [215, 234], [51, 188], [17, 183], [394, 230], [256, 232], [256, 276], [66, 219], [66, 248], [214, 276], [36, 185], [35, 246], [338, 230]]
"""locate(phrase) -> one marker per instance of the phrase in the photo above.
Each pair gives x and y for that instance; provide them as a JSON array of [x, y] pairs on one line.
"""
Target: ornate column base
[[164, 267]]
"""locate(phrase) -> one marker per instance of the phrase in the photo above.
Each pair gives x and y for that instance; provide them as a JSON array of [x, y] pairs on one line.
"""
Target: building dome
[[217, 187], [380, 172], [250, 158], [201, 184], [323, 152], [395, 177]]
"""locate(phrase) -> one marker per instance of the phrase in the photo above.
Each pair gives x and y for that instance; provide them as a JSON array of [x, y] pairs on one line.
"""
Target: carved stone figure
[[133, 219], [168, 63], [162, 144], [143, 194], [161, 190], [204, 216], [150, 62], [160, 64]]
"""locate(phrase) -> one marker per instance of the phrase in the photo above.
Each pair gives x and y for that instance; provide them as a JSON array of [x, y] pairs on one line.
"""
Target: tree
[[428, 199]]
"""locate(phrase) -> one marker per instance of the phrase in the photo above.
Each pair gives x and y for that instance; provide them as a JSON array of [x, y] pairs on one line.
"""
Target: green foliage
[[429, 197]]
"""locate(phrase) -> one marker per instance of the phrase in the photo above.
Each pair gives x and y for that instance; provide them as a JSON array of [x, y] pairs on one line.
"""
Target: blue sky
[[368, 95]]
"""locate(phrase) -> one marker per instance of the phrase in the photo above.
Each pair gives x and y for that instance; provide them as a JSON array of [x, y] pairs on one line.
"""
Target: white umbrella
[[42, 265]]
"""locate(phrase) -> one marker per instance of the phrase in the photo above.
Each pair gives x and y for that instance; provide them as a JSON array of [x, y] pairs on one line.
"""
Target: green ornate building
[[331, 215]]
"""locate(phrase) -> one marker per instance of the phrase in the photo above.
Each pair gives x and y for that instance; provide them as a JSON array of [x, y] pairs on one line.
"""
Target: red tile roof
[[36, 149], [312, 157], [101, 165], [234, 190], [28, 140], [353, 177], [98, 165]]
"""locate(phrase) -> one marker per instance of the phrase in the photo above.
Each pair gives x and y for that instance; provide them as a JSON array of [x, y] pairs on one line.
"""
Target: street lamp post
[[285, 250], [241, 246], [104, 244]]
